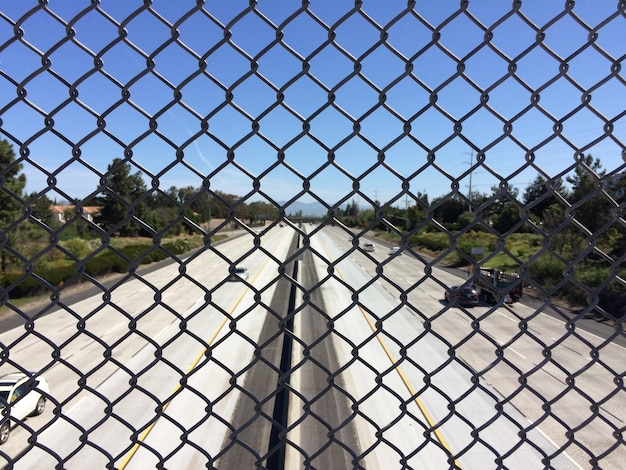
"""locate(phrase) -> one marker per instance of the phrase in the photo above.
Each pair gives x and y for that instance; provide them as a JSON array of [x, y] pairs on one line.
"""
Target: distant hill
[[311, 209]]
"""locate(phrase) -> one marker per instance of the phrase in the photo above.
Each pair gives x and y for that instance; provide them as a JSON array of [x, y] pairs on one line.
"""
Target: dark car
[[465, 295]]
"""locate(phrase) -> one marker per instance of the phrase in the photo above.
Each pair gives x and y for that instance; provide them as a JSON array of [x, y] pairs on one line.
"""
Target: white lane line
[[509, 348]]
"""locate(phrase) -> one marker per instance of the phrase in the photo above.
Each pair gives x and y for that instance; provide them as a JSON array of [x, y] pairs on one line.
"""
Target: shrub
[[77, 247], [469, 241], [592, 276], [177, 246], [57, 273], [546, 270], [57, 270], [105, 263], [614, 302], [25, 287], [54, 255], [431, 241]]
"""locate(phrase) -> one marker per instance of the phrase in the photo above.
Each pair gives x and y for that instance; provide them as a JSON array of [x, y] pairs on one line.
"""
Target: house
[[59, 210]]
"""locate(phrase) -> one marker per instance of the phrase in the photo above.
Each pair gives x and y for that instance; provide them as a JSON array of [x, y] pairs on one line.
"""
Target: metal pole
[[469, 194], [469, 197]]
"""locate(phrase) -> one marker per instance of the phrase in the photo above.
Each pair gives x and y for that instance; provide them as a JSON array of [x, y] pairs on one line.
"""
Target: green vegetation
[[535, 253], [72, 259], [13, 183], [166, 213], [517, 249], [133, 225], [567, 241]]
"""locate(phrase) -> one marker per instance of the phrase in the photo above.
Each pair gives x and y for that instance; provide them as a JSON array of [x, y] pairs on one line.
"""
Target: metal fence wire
[[432, 383]]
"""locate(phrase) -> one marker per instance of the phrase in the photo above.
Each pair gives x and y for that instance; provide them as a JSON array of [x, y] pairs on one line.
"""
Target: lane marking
[[516, 352], [195, 362], [397, 368], [580, 329]]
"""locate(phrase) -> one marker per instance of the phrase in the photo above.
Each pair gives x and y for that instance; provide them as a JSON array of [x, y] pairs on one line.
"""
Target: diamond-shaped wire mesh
[[326, 352]]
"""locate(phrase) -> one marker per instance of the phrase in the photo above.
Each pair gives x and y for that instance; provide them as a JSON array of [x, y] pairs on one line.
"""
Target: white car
[[239, 274], [395, 250], [369, 247], [25, 396]]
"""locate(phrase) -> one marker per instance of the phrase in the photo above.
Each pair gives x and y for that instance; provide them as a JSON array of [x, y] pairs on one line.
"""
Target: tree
[[186, 195], [120, 200], [221, 204], [40, 206], [592, 212], [563, 239], [478, 199], [12, 184], [504, 210], [414, 215], [449, 210], [421, 197], [186, 198], [261, 211], [352, 209], [366, 218], [541, 194], [502, 198], [507, 218], [617, 187]]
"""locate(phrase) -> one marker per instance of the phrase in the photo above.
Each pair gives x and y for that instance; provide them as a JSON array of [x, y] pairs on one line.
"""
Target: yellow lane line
[[167, 402], [397, 368]]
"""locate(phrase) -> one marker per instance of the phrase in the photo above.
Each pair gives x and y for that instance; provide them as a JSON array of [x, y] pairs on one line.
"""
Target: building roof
[[60, 208]]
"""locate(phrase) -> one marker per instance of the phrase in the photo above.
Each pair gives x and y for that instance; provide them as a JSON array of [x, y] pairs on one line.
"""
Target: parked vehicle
[[464, 295], [491, 283], [24, 395]]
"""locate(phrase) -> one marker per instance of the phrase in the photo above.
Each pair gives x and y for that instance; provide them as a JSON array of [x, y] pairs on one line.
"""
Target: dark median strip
[[327, 425], [276, 460], [261, 412]]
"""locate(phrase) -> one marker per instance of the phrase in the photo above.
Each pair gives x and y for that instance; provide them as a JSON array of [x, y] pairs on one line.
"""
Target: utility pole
[[406, 203], [470, 181], [469, 195]]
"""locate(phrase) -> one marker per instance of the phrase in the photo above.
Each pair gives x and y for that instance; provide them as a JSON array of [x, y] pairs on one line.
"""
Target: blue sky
[[64, 137]]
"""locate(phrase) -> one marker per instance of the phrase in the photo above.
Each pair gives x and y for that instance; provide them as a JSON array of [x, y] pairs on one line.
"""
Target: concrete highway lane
[[358, 352], [321, 414], [385, 357], [134, 352], [549, 373]]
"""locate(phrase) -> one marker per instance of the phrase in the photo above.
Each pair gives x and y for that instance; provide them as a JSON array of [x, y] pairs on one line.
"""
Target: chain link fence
[[251, 84]]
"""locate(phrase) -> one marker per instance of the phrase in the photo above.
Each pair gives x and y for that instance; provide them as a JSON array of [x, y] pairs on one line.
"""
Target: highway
[[386, 377], [159, 328], [381, 369]]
